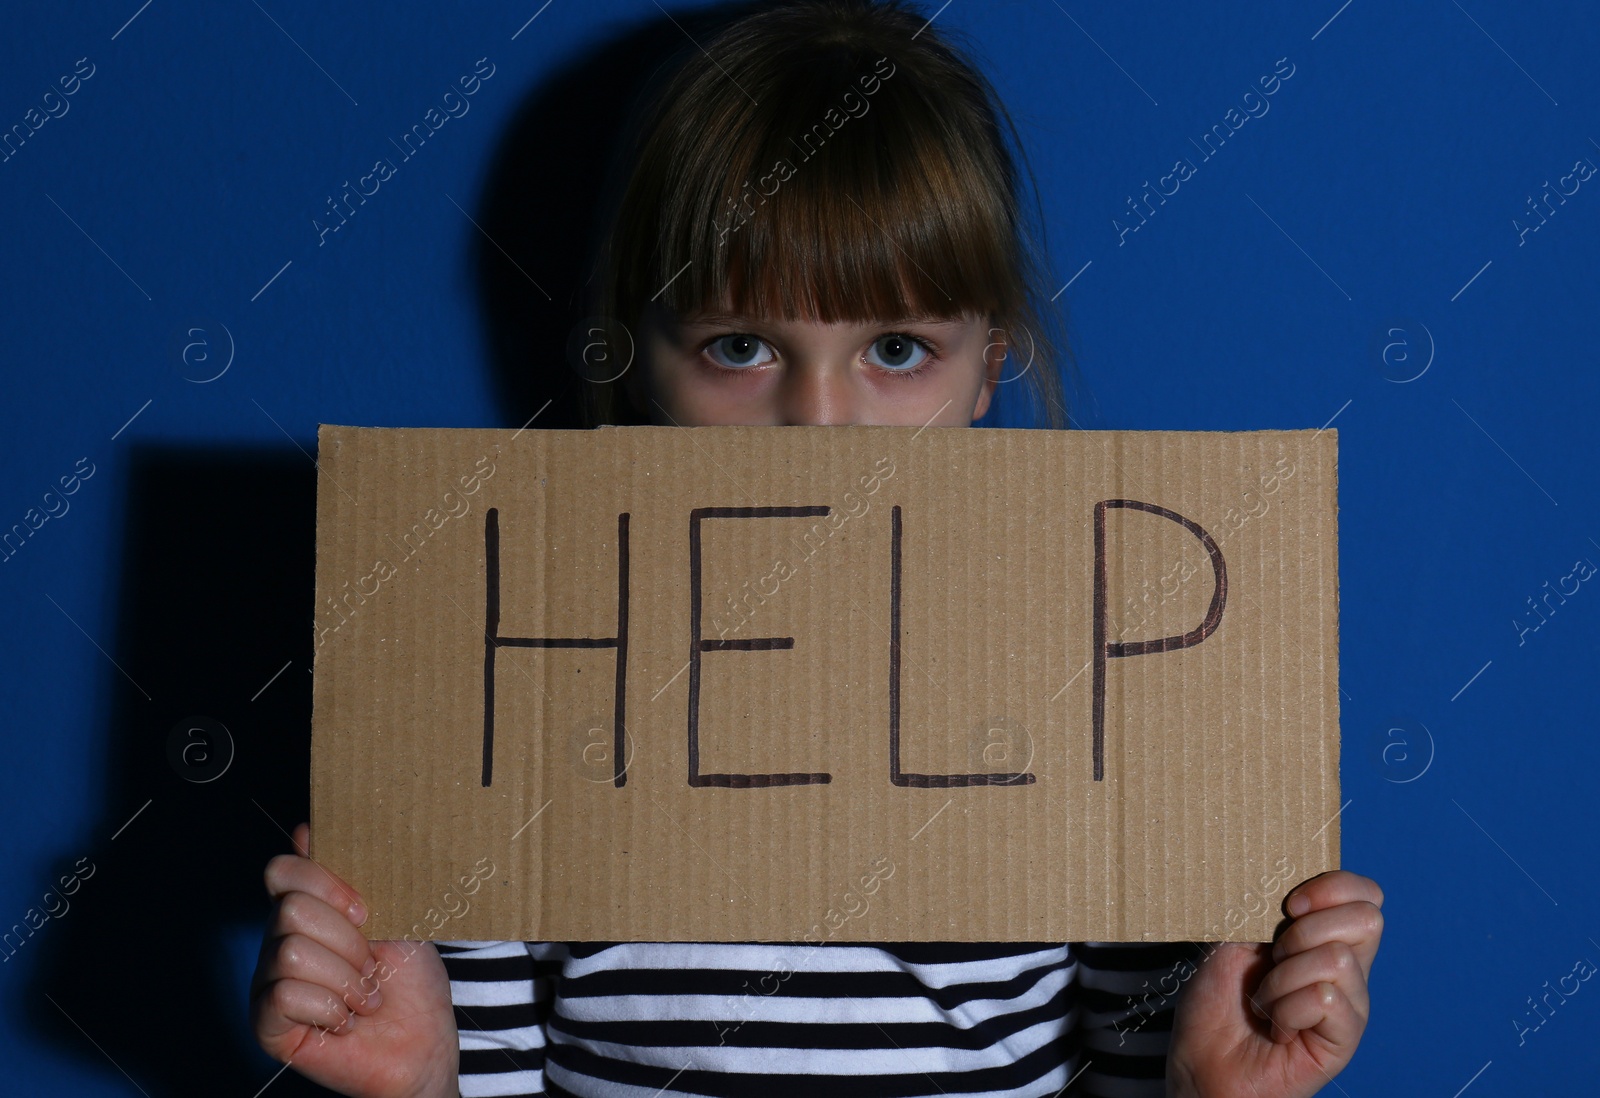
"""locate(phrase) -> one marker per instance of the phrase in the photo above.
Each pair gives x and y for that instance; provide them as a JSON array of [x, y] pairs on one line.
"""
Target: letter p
[[1105, 650]]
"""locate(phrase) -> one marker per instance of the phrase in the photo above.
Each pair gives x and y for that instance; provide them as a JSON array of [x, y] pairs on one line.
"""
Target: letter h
[[493, 641]]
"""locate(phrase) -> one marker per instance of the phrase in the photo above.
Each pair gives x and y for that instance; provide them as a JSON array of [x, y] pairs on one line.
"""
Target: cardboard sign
[[825, 683]]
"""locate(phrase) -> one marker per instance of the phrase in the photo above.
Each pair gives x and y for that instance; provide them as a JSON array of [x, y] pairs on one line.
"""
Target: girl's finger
[[1331, 963], [304, 914], [283, 1006], [296, 957], [1322, 1008], [291, 873], [1359, 924], [1338, 886]]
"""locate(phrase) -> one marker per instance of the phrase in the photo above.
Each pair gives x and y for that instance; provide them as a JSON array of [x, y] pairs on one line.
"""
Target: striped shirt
[[892, 1020]]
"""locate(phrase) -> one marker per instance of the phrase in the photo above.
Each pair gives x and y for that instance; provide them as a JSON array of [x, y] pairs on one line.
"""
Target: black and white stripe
[[888, 1020]]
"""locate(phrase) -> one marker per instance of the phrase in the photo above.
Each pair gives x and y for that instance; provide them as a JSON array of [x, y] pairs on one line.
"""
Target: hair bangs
[[833, 206]]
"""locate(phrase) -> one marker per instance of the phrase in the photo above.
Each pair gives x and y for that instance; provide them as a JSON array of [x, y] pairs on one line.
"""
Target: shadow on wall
[[543, 205], [216, 574], [214, 621]]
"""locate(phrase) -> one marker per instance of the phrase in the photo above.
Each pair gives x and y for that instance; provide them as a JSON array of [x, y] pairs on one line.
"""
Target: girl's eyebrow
[[714, 318], [731, 319]]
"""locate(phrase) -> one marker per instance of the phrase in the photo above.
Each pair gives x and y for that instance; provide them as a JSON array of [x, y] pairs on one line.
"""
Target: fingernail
[[358, 912], [1255, 1008], [1299, 903], [370, 967]]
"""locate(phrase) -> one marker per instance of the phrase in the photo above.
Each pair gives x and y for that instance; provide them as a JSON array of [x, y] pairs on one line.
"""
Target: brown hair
[[836, 160]]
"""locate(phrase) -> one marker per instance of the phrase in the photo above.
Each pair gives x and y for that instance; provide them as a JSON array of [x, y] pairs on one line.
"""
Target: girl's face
[[712, 370]]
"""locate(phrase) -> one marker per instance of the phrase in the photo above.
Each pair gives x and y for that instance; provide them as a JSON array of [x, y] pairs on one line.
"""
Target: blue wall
[[1368, 224]]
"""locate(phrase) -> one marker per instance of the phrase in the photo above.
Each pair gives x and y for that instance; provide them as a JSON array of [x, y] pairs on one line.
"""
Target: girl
[[822, 226]]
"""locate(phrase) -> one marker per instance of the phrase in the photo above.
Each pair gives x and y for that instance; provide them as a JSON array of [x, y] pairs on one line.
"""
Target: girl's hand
[[371, 1020], [1310, 986]]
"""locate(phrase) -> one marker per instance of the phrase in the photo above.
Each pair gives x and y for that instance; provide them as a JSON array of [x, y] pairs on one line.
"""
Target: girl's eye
[[738, 351], [896, 352]]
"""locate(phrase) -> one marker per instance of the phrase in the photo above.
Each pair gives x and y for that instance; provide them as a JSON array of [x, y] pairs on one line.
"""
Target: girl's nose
[[817, 396]]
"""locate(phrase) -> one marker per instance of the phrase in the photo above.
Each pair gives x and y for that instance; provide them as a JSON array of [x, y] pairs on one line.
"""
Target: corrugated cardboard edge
[[1335, 834], [318, 678]]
